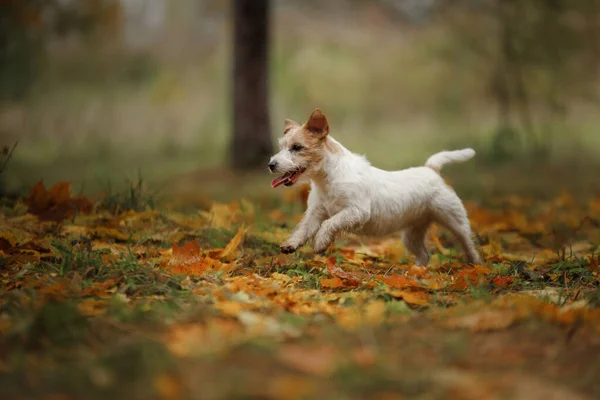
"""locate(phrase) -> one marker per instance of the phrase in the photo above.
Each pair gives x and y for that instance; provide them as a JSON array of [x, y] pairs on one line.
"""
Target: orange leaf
[[334, 283], [503, 281], [417, 271], [189, 252], [399, 281], [416, 298]]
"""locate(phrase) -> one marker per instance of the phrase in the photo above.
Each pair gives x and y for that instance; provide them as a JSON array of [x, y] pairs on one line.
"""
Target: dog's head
[[301, 151]]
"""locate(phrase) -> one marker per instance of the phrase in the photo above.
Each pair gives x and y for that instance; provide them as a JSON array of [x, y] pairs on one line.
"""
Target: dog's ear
[[317, 123], [289, 124]]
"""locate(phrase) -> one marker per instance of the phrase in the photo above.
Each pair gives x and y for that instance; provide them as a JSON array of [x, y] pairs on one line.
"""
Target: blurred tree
[[20, 46], [27, 26], [251, 143], [541, 57]]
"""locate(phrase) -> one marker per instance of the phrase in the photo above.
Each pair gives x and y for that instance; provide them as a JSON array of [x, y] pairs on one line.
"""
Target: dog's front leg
[[305, 230], [346, 220]]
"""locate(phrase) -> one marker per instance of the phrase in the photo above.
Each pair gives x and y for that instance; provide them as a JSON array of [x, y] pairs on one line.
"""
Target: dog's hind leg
[[449, 211], [413, 239]]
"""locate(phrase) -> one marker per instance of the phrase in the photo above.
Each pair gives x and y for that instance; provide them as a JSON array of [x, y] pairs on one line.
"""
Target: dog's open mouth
[[287, 179]]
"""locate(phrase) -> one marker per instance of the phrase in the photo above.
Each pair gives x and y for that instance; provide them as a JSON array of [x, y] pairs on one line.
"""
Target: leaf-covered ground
[[118, 299]]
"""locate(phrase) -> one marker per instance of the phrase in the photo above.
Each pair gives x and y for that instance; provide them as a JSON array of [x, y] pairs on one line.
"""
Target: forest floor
[[125, 299]]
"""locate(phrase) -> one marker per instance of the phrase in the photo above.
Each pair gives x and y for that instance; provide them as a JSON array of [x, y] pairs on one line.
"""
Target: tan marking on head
[[311, 136]]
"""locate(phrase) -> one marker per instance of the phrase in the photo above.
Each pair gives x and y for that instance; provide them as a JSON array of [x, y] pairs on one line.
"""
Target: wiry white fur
[[438, 160], [349, 194]]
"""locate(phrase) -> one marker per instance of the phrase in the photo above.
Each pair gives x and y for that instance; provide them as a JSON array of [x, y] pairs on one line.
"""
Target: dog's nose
[[272, 166]]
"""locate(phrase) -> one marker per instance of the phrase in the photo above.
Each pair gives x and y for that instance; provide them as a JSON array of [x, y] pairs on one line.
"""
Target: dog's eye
[[297, 147]]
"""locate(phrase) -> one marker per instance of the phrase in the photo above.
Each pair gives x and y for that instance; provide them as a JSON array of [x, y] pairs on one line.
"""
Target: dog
[[348, 194]]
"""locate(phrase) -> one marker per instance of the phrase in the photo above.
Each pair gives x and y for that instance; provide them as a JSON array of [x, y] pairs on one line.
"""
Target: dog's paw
[[320, 250], [287, 249]]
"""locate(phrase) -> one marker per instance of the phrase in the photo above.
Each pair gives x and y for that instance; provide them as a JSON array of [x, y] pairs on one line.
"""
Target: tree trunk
[[251, 144]]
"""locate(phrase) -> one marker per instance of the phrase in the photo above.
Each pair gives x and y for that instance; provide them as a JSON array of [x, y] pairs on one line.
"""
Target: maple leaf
[[56, 204], [188, 260]]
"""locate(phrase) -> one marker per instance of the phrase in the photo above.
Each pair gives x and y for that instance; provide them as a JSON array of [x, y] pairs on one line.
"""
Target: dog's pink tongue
[[279, 181]]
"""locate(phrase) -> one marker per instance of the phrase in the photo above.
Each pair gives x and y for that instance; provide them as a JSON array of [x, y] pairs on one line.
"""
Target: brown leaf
[[56, 204], [484, 320], [314, 360], [353, 278], [59, 193]]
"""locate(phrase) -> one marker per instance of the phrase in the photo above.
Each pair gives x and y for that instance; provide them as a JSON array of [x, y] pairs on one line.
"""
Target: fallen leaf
[[364, 357], [375, 312], [484, 320], [336, 283], [398, 281], [229, 251], [416, 298], [56, 204], [313, 360], [92, 307], [352, 278], [168, 387]]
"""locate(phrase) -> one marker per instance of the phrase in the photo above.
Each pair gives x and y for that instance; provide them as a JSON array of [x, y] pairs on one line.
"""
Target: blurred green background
[[102, 92]]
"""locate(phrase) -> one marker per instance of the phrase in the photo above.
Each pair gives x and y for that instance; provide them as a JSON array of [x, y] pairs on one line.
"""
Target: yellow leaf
[[230, 308], [375, 312], [229, 251], [223, 215], [281, 278], [349, 318], [416, 298]]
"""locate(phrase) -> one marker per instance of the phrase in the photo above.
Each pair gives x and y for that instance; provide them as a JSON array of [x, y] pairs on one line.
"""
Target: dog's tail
[[437, 161]]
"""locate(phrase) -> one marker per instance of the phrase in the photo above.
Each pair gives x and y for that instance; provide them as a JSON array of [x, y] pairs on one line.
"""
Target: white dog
[[349, 195]]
